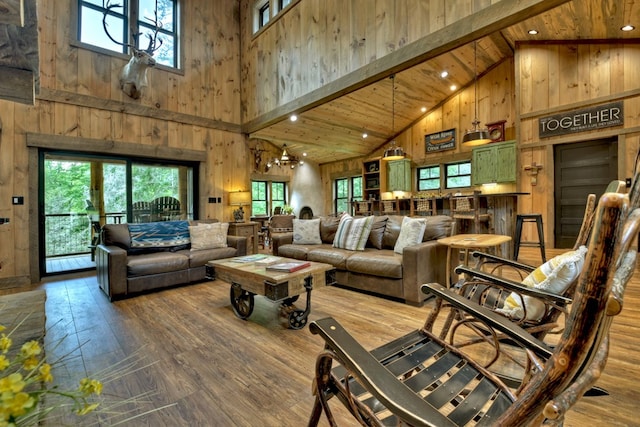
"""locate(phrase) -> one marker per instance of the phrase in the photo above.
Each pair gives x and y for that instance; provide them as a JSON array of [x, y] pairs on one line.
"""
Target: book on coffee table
[[289, 267]]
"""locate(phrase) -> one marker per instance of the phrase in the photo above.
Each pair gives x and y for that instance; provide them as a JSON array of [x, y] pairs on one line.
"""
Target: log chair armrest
[[490, 318], [512, 286], [483, 257], [377, 379]]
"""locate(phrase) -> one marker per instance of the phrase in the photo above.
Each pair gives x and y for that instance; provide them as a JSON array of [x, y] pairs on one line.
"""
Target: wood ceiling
[[330, 127]]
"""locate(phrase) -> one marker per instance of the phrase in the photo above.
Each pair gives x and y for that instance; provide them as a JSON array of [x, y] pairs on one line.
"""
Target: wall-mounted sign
[[601, 116], [439, 141]]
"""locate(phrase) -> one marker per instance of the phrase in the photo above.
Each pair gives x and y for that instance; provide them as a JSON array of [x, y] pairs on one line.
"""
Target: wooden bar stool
[[520, 219]]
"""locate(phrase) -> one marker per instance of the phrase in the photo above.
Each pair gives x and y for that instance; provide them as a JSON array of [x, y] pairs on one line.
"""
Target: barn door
[[580, 168]]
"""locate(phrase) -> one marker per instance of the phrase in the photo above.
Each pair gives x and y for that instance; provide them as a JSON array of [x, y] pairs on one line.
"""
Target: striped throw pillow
[[353, 233]]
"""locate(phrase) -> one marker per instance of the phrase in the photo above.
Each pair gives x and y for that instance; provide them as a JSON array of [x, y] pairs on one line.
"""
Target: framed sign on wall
[[440, 141]]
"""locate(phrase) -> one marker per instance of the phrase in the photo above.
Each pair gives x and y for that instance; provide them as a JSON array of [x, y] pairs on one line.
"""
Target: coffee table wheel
[[298, 319], [241, 301], [290, 300]]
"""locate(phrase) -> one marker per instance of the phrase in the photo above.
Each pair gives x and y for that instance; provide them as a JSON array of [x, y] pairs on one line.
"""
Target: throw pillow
[[554, 276], [328, 228], [306, 232], [377, 232], [411, 233], [209, 236], [353, 233]]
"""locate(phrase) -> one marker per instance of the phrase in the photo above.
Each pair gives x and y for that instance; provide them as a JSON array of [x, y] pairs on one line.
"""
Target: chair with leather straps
[[421, 380]]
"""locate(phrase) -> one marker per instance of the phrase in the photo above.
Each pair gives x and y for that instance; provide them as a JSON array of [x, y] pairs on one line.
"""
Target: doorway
[[79, 193], [580, 168]]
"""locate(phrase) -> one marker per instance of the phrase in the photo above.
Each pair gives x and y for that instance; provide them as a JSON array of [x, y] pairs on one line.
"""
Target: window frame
[[447, 176], [132, 15], [271, 199], [431, 178], [351, 192]]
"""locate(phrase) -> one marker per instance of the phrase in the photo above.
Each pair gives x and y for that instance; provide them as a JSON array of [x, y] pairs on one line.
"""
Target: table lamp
[[239, 198]]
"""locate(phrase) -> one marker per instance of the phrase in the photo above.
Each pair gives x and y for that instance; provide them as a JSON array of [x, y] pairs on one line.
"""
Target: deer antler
[[105, 25], [153, 39]]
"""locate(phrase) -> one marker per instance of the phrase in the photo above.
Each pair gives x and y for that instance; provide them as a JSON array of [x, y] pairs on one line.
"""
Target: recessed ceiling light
[[293, 118], [453, 87], [423, 109], [628, 28], [444, 74], [364, 135], [533, 32]]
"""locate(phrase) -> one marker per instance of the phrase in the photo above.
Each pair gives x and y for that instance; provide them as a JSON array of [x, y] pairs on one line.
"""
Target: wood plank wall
[[317, 41], [196, 108], [554, 77]]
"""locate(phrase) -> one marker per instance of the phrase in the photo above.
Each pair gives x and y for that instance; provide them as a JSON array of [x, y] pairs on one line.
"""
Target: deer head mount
[[133, 76]]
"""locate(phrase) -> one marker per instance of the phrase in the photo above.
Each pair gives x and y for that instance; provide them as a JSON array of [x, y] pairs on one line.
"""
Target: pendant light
[[476, 136], [393, 152]]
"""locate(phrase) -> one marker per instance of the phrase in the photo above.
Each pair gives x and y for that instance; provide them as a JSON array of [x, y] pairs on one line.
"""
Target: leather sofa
[[379, 271], [124, 270]]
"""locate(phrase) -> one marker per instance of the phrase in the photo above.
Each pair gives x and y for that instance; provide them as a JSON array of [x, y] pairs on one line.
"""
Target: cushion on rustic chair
[[411, 233], [555, 276], [306, 232], [353, 233], [209, 236]]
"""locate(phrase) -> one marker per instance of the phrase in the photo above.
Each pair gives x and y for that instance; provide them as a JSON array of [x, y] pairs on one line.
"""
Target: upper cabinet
[[494, 163], [399, 175]]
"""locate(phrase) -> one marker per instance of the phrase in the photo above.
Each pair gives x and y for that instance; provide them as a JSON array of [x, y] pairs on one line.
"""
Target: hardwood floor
[[223, 371]]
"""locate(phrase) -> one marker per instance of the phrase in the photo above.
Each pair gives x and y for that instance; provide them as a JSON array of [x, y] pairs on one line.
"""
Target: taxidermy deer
[[133, 76]]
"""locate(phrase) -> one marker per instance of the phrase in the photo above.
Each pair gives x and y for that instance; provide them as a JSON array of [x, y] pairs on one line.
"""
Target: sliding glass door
[[81, 193]]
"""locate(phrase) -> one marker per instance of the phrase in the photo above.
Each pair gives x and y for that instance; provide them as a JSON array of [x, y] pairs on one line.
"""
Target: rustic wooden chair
[[422, 206], [421, 380], [363, 207], [485, 284], [469, 208], [165, 209]]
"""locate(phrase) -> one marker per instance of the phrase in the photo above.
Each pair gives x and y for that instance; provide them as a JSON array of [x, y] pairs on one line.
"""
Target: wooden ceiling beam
[[485, 22]]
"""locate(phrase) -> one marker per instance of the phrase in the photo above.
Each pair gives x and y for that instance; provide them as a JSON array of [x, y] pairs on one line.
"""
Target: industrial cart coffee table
[[250, 278]]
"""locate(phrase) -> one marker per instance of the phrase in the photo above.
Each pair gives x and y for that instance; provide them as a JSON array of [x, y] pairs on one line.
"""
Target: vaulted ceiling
[[330, 125]]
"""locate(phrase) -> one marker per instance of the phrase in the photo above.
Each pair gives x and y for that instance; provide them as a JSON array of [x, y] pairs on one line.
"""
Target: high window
[[264, 11], [125, 14], [428, 178], [266, 196], [347, 189], [458, 174]]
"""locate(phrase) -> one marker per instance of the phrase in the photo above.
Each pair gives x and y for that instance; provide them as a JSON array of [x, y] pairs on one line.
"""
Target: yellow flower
[[12, 383], [89, 386], [17, 403], [30, 363], [87, 408], [4, 363], [5, 343], [45, 373], [30, 349], [2, 328]]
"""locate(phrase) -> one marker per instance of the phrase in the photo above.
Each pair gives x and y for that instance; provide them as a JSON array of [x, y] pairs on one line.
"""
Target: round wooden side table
[[468, 242]]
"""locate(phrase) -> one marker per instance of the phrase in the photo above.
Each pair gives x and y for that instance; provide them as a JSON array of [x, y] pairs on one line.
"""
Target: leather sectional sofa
[[379, 271], [124, 270]]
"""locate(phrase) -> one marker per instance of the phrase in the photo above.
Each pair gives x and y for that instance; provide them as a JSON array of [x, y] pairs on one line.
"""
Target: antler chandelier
[[285, 160]]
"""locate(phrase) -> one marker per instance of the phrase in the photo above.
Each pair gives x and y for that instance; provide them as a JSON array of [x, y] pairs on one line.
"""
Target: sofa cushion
[[377, 231], [306, 232], [411, 233], [155, 263], [330, 255], [159, 234], [392, 231], [353, 233], [328, 228], [209, 236], [117, 235], [200, 257], [438, 226], [294, 251], [381, 263]]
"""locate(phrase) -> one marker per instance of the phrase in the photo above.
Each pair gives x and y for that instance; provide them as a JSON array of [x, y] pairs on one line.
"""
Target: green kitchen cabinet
[[494, 163], [399, 175]]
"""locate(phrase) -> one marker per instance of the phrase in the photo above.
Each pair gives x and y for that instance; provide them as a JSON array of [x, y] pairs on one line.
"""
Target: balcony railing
[[71, 234]]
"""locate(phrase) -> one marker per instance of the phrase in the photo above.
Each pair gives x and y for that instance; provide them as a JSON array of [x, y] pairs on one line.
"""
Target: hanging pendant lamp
[[393, 152], [476, 136]]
